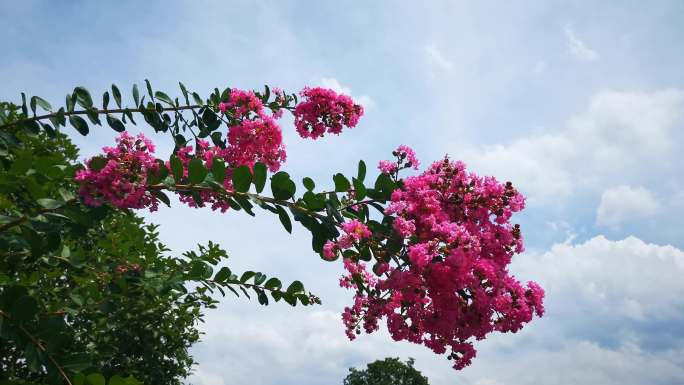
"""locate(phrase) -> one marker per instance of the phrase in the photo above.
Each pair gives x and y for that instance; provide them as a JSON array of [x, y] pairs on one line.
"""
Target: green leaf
[[244, 204], [176, 168], [149, 89], [31, 125], [136, 95], [242, 178], [259, 278], [50, 204], [24, 110], [105, 100], [97, 163], [117, 95], [79, 124], [196, 171], [309, 183], [359, 189], [115, 124], [185, 92], [24, 309], [95, 379], [222, 274], [273, 284], [314, 201], [261, 297], [117, 380], [218, 170], [83, 97], [33, 358], [284, 219], [163, 97], [92, 114], [341, 183], [162, 197], [259, 176], [197, 99], [42, 103], [246, 276], [282, 187], [385, 184], [61, 118], [69, 102], [295, 287], [361, 175]]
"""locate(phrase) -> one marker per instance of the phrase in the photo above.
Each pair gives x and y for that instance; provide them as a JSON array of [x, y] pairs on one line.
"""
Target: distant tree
[[390, 371]]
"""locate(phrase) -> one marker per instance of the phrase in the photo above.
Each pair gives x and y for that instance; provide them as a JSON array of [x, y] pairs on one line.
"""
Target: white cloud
[[335, 85], [200, 377], [604, 279], [614, 316], [619, 131], [623, 203], [436, 57], [579, 48]]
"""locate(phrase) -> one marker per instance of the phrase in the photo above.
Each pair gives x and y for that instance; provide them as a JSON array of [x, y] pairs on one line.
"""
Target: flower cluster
[[355, 231], [449, 283], [323, 110], [253, 136], [406, 158], [256, 137], [119, 176]]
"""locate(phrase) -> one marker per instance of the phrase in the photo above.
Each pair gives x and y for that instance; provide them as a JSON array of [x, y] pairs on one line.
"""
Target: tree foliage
[[91, 291], [390, 371]]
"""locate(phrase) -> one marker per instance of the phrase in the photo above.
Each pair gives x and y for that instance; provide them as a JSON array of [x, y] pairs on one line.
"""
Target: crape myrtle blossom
[[406, 158], [119, 175], [324, 110], [253, 136], [355, 231], [449, 284]]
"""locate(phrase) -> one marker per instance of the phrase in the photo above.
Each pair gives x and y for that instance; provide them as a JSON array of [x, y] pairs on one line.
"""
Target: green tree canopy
[[390, 371]]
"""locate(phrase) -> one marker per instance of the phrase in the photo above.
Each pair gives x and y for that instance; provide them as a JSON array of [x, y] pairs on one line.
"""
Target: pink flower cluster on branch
[[121, 175], [406, 158], [253, 136], [449, 283], [324, 110], [257, 137]]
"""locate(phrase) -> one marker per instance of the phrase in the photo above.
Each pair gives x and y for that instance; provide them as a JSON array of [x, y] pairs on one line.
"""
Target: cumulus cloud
[[578, 48], [619, 131], [614, 316], [624, 203], [335, 85]]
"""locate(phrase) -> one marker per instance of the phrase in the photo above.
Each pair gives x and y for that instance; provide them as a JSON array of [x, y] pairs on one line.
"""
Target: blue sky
[[580, 104]]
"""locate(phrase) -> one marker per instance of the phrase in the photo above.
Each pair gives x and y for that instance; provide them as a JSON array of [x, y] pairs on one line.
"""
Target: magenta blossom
[[323, 110]]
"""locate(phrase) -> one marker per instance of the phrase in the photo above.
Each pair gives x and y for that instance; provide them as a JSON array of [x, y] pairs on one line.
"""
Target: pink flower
[[406, 158], [387, 167], [323, 110], [121, 174], [329, 250], [403, 227], [449, 283], [356, 229], [405, 152]]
